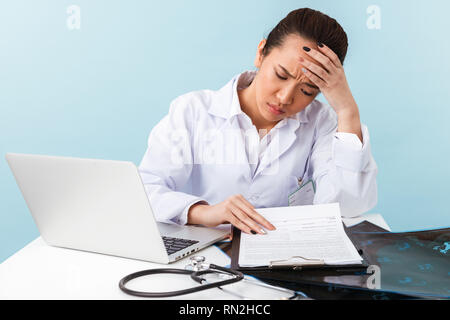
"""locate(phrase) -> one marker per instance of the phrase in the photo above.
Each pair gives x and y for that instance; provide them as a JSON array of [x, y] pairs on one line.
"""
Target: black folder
[[413, 265]]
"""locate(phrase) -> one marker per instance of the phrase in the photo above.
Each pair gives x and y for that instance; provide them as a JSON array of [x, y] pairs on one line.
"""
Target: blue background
[[97, 92]]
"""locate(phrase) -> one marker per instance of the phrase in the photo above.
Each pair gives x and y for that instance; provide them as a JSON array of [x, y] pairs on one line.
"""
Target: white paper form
[[311, 232]]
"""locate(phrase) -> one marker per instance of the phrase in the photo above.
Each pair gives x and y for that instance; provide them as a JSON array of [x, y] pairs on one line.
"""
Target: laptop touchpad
[[169, 229]]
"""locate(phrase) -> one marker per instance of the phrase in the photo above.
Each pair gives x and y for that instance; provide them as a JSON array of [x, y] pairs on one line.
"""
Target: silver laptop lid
[[88, 204]]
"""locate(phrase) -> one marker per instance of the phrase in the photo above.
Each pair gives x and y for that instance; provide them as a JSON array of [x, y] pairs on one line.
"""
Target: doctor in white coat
[[218, 155]]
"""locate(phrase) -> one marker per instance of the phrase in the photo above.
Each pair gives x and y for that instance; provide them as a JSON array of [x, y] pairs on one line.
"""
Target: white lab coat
[[207, 149]]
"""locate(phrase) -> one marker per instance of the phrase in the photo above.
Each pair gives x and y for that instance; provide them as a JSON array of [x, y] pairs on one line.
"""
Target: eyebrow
[[307, 83]]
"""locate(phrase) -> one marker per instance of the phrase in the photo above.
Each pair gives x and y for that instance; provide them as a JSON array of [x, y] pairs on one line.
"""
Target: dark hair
[[312, 25]]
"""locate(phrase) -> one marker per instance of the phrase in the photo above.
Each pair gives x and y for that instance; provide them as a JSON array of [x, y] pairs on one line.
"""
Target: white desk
[[375, 218], [39, 271]]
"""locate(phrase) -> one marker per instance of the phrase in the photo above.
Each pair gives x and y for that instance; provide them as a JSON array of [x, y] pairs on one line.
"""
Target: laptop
[[101, 206]]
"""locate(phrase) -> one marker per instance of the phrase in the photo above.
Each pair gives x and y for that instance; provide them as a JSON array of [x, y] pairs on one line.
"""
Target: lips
[[274, 109]]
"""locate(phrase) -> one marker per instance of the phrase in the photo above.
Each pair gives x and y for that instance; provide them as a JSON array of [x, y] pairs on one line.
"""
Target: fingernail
[[253, 232], [263, 231], [306, 49], [304, 70], [320, 44]]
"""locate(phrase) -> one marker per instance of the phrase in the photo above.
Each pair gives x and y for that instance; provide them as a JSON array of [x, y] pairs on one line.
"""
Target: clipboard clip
[[296, 263]]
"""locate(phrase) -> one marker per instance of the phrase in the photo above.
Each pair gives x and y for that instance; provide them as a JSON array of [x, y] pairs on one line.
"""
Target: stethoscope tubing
[[195, 275]]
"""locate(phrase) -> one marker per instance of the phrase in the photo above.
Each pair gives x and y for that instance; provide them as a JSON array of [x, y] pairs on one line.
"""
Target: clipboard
[[294, 263]]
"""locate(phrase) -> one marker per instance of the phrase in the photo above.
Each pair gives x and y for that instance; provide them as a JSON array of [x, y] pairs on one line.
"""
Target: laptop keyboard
[[176, 244]]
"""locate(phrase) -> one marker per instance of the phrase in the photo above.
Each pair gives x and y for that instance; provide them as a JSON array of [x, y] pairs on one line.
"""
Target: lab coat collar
[[227, 105]]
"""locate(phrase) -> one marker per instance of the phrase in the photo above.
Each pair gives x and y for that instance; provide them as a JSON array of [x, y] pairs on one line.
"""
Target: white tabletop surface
[[39, 271]]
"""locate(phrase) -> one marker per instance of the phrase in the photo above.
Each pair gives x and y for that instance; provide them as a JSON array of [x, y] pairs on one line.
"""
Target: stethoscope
[[196, 268]]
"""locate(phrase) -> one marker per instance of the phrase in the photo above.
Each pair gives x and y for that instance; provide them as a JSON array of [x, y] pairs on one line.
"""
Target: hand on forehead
[[307, 46], [318, 62], [293, 51]]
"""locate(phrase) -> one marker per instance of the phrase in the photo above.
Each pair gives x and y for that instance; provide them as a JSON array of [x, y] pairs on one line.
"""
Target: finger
[[323, 59], [314, 78], [241, 215], [322, 73], [238, 223], [250, 210], [250, 218], [330, 54]]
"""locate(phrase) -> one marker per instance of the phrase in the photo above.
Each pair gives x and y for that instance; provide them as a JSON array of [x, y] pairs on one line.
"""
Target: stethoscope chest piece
[[197, 263]]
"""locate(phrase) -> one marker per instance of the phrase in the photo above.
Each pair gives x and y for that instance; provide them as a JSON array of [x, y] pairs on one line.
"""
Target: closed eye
[[303, 91], [280, 76]]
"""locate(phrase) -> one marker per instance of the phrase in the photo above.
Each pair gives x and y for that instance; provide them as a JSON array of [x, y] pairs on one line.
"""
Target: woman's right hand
[[235, 210]]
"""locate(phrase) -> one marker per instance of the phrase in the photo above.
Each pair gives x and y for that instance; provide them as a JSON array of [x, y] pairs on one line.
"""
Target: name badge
[[304, 195]]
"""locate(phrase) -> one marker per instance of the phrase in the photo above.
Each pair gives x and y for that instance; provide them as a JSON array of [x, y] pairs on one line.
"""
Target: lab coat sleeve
[[342, 167], [167, 165]]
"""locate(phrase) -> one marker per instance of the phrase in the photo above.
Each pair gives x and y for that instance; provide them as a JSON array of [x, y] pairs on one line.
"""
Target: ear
[[259, 56]]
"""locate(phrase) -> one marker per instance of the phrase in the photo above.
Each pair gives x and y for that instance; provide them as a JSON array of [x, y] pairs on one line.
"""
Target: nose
[[285, 95]]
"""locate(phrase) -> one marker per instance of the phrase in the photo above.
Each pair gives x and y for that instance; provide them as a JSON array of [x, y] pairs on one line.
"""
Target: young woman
[[218, 155]]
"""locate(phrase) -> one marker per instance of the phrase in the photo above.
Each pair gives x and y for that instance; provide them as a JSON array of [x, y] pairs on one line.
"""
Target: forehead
[[292, 49]]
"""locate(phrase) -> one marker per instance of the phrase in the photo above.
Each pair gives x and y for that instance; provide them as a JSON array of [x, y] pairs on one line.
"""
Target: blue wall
[[97, 91]]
